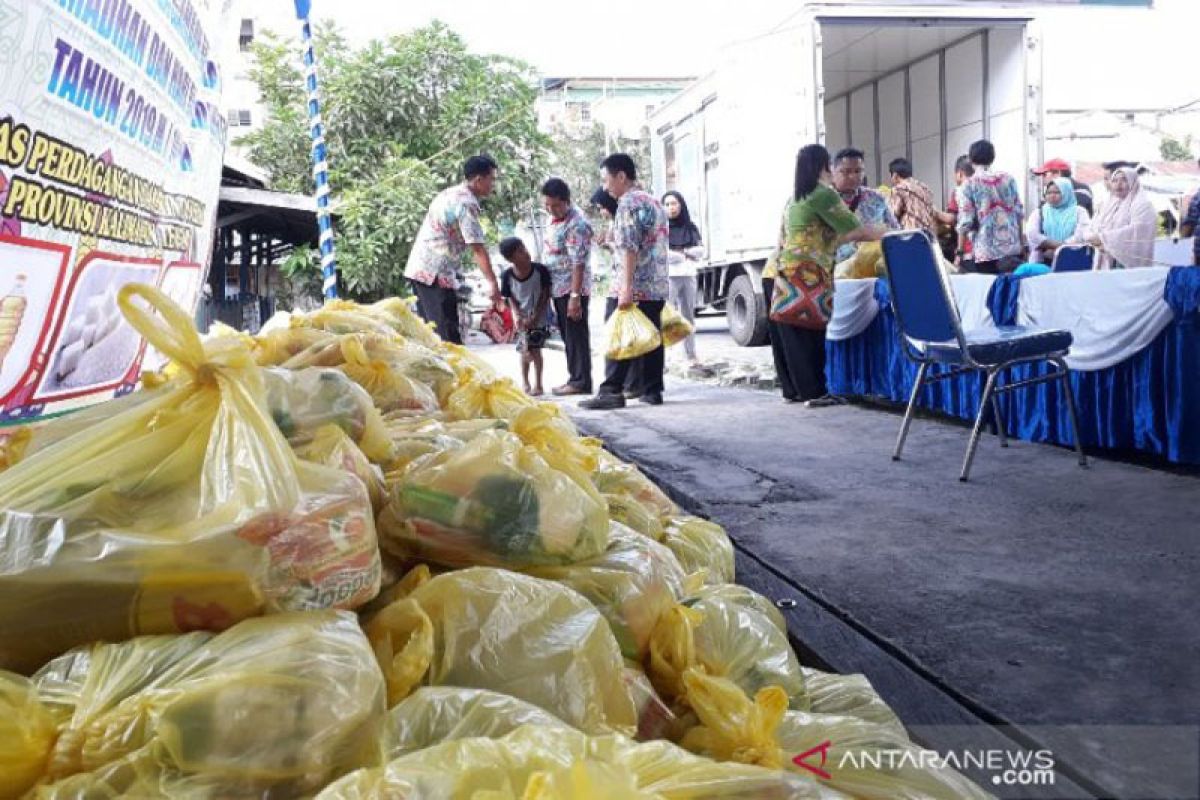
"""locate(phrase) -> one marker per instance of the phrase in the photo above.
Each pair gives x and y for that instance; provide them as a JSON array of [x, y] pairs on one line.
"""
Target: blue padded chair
[[932, 333], [1073, 258]]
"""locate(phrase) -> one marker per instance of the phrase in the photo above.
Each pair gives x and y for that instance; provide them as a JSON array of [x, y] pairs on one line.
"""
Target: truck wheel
[[746, 313]]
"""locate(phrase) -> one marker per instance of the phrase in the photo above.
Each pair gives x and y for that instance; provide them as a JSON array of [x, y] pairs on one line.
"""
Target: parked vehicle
[[890, 78]]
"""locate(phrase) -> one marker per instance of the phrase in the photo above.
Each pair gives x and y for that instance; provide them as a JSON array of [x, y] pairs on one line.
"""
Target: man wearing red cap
[[1057, 168]]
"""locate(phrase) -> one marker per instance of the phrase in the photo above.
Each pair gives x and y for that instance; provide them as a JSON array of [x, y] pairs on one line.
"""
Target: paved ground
[[1039, 594]]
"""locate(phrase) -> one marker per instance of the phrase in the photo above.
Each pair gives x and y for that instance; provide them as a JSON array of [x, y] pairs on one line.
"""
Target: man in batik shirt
[[911, 201], [871, 207], [640, 243], [450, 228], [568, 255]]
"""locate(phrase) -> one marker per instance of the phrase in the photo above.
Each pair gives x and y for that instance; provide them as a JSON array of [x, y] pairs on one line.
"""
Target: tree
[[401, 116], [1173, 149]]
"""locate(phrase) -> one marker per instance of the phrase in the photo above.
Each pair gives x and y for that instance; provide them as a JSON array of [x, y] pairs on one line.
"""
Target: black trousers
[[577, 341], [649, 367], [799, 357], [440, 306]]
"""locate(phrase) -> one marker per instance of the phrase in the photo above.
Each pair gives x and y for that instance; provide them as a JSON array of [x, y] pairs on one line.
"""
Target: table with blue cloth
[[1135, 361]]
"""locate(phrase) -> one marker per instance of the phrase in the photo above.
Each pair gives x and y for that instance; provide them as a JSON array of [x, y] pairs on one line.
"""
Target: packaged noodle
[[182, 509], [493, 629], [435, 714], [700, 545], [632, 583], [844, 751], [630, 334], [276, 706], [554, 764], [492, 501], [331, 447], [725, 639]]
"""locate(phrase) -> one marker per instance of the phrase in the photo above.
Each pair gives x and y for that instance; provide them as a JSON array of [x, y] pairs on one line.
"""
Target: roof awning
[[287, 217]]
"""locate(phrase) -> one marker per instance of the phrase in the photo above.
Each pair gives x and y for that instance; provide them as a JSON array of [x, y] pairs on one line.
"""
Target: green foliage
[[1173, 149], [401, 116], [577, 157]]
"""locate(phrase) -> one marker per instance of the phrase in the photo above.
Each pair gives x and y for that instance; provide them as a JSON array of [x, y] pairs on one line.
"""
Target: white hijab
[[1126, 226]]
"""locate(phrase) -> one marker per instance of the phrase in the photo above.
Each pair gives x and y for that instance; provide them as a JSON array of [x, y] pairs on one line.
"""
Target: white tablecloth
[[1111, 315]]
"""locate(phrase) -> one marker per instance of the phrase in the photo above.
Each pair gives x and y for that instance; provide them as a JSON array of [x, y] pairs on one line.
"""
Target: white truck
[[890, 78]]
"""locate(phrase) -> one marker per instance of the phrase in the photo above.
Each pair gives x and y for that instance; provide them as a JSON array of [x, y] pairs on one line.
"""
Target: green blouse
[[810, 230]]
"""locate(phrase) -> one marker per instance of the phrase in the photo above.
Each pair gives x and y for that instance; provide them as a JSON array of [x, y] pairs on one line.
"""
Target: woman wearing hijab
[[1126, 225], [687, 248], [1060, 220]]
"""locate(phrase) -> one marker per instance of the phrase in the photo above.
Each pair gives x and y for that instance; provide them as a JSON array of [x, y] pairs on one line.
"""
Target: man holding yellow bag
[[640, 286]]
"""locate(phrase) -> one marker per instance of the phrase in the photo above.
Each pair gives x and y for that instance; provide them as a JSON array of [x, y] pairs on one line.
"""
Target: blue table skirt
[[1149, 402]]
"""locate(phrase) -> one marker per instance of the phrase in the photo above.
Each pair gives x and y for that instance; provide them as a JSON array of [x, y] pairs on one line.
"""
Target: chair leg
[[908, 414], [999, 421], [1069, 393], [975, 431]]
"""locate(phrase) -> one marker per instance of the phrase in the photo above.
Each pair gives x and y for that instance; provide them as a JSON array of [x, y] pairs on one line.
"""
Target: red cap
[[1053, 165]]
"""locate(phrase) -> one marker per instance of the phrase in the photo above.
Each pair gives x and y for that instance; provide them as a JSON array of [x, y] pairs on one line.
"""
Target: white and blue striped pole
[[319, 155]]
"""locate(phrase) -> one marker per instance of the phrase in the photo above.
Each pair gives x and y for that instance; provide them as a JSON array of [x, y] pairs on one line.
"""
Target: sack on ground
[[277, 706], [493, 629], [186, 510], [630, 334], [492, 502]]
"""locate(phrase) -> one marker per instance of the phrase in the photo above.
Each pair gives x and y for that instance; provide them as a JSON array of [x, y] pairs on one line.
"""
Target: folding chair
[[932, 333], [1073, 258]]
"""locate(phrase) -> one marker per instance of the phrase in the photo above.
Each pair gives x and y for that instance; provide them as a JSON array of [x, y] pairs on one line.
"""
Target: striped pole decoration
[[319, 155]]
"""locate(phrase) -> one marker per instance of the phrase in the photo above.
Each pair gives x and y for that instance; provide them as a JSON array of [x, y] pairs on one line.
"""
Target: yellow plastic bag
[[538, 763], [492, 502], [867, 262], [435, 714], [632, 583], [388, 386], [656, 719], [277, 347], [700, 545], [277, 706], [740, 595], [493, 629], [305, 400], [674, 327], [849, 696], [614, 476], [630, 334], [346, 316], [399, 314], [331, 447], [475, 397], [546, 429], [183, 509], [724, 639], [28, 729], [635, 516]]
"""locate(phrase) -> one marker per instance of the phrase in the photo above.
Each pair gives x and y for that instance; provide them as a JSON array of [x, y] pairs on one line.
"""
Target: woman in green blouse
[[815, 222]]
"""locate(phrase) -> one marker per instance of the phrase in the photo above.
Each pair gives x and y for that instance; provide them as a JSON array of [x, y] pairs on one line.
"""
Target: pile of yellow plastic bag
[[535, 618], [178, 509]]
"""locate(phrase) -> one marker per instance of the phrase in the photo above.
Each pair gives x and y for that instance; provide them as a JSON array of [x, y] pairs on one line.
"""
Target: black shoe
[[632, 394], [651, 399], [604, 402]]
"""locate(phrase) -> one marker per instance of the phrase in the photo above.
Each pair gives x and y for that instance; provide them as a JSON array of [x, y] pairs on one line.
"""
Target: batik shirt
[[450, 226], [641, 226], [569, 245], [911, 203], [871, 208], [990, 213]]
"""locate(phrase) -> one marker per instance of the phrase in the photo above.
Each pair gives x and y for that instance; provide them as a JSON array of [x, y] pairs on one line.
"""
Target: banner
[[111, 142]]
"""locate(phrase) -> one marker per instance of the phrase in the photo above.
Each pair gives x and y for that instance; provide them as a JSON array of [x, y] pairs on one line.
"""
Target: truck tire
[[746, 313]]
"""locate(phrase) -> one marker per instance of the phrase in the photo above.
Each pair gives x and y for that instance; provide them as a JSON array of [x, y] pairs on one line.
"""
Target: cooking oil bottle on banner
[[12, 309]]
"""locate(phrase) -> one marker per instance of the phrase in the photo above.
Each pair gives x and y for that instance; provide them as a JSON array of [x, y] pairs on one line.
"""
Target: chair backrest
[[921, 296], [1073, 258]]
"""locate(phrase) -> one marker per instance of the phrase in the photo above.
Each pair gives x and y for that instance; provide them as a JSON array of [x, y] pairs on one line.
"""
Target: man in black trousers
[[567, 255]]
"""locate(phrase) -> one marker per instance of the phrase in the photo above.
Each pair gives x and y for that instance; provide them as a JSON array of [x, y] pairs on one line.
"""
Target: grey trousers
[[683, 297]]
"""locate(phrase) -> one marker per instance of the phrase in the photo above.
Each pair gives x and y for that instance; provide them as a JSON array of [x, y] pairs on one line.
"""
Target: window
[[579, 112], [246, 37], [239, 117]]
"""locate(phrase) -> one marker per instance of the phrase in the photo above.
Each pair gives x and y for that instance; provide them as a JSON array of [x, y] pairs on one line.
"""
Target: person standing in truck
[[871, 207], [911, 201], [450, 228], [991, 213]]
